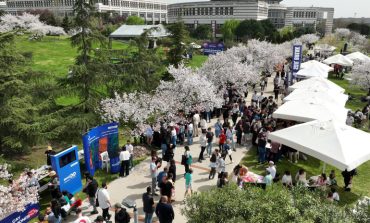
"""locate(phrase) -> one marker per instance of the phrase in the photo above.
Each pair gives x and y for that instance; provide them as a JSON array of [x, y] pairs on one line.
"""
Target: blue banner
[[101, 139], [67, 166], [30, 211], [296, 61], [212, 48]]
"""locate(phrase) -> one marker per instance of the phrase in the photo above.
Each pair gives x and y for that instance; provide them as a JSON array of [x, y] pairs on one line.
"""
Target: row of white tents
[[314, 68], [318, 104]]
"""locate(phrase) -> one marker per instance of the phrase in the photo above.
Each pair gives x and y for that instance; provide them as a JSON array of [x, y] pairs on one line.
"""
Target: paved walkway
[[133, 186]]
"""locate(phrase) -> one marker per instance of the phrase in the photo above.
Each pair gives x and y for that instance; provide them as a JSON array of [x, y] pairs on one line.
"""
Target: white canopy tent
[[324, 48], [313, 71], [315, 63], [309, 110], [358, 56], [327, 95], [339, 59], [334, 143], [317, 83]]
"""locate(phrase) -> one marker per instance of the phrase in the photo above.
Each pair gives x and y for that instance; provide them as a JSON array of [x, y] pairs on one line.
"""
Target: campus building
[[151, 10], [216, 12]]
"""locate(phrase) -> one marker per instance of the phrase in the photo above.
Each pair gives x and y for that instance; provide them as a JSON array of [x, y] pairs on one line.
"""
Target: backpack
[[189, 160], [213, 158]]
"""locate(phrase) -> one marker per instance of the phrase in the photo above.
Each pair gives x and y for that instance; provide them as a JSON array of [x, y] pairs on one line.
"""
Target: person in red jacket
[[222, 140]]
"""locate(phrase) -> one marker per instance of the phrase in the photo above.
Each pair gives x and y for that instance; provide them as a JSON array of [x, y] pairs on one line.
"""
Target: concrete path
[[135, 184]]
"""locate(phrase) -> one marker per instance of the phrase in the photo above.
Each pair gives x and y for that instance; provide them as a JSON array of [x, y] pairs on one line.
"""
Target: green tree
[[26, 105], [85, 77], [250, 29], [135, 20], [203, 32], [277, 204], [179, 35], [66, 24], [228, 30], [269, 29]]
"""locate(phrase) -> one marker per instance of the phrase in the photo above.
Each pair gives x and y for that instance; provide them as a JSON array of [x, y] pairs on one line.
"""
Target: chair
[[105, 159]]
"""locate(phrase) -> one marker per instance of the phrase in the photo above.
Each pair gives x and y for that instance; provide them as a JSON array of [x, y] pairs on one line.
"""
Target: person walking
[[203, 145], [90, 189], [189, 182], [172, 169], [222, 140], [209, 136], [227, 151], [262, 141], [124, 157], [164, 211], [120, 214], [218, 128], [196, 120], [213, 164], [103, 198], [188, 158], [190, 130], [154, 165], [130, 149], [148, 205]]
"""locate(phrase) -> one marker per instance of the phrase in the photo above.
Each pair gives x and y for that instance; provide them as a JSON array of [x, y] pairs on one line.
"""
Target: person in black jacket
[[120, 214], [172, 169], [164, 211], [90, 189]]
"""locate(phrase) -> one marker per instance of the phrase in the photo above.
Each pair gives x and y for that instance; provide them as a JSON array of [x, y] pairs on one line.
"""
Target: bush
[[276, 204]]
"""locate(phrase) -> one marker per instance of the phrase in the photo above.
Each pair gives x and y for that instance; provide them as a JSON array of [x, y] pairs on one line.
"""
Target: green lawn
[[197, 61], [361, 182]]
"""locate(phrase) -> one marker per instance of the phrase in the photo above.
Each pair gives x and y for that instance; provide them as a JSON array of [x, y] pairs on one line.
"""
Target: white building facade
[[153, 11], [216, 12]]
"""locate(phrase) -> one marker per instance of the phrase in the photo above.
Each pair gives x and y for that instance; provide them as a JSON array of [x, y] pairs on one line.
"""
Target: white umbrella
[[358, 56], [315, 63], [309, 110], [313, 71], [315, 93], [339, 59], [334, 143], [316, 83]]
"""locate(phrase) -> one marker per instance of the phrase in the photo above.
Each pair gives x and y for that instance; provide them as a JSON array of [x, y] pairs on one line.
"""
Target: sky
[[342, 8]]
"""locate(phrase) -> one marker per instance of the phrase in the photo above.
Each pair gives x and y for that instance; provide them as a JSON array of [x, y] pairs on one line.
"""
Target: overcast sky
[[342, 8]]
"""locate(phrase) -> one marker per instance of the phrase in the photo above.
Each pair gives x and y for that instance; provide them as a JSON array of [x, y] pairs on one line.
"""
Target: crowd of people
[[240, 123]]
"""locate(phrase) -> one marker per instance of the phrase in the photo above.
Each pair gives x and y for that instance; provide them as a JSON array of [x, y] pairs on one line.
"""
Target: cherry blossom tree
[[361, 75], [342, 33], [309, 38], [28, 22], [359, 42], [17, 195]]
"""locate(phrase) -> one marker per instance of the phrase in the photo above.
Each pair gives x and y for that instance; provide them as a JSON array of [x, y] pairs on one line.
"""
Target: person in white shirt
[[203, 125], [196, 120], [260, 99], [124, 157], [203, 145], [287, 179], [104, 201], [272, 169], [350, 120], [130, 149], [190, 133], [335, 194], [81, 219]]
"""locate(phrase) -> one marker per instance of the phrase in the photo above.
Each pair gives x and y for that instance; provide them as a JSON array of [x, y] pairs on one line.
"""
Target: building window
[[206, 11], [216, 11], [198, 9], [202, 11], [226, 11], [210, 11], [231, 10], [221, 11], [193, 11]]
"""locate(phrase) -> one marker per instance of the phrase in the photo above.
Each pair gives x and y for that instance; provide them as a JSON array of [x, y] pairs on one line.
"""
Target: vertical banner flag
[[67, 166], [101, 139], [296, 61]]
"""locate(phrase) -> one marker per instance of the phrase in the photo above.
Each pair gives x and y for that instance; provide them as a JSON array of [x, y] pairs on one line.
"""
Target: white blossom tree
[[28, 22], [342, 33], [17, 195], [309, 38], [361, 75], [359, 42]]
